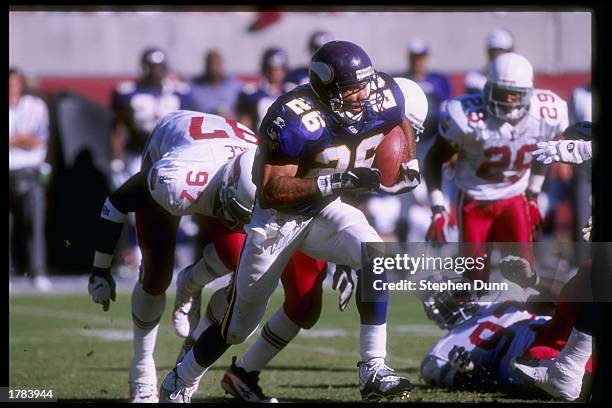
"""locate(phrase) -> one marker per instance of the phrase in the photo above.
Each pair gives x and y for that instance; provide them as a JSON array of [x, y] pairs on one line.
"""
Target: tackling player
[[316, 145], [193, 163], [137, 106], [493, 134]]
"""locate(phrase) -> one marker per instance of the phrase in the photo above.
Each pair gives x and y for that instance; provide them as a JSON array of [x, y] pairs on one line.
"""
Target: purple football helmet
[[341, 66]]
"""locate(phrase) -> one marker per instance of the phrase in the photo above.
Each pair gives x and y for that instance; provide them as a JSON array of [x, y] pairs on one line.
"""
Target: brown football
[[390, 153]]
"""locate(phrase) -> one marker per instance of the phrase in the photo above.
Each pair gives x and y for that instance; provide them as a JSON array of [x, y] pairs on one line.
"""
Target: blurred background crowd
[[87, 87]]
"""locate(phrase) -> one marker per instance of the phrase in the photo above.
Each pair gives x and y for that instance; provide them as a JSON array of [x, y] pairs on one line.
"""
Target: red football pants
[[505, 220]]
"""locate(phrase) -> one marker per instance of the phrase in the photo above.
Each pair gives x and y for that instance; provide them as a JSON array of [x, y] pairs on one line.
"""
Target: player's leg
[[302, 281], [220, 257], [271, 239], [564, 338], [513, 225], [475, 222], [337, 235], [156, 234], [189, 284]]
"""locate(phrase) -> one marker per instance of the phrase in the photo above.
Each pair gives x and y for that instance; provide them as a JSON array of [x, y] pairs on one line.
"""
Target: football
[[390, 153]]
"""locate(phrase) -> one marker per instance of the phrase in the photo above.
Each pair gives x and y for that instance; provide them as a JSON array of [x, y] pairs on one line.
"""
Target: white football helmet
[[415, 104], [237, 191], [509, 73]]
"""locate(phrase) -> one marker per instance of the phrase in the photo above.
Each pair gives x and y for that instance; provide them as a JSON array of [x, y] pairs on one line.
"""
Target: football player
[[316, 145], [562, 377], [241, 380], [494, 134], [299, 76], [137, 106], [193, 163], [485, 339], [255, 99]]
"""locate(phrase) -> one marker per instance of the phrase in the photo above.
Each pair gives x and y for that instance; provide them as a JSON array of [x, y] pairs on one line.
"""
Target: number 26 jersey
[[298, 128]]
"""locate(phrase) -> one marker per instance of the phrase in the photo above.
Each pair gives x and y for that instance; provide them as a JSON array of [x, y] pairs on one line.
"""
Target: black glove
[[518, 270], [460, 359], [358, 180], [410, 178], [343, 283]]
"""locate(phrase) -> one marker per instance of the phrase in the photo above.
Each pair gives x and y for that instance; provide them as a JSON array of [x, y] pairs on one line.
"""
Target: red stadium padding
[[99, 88]]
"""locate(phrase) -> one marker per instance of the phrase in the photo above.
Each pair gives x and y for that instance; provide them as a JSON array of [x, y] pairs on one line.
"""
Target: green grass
[[55, 343]]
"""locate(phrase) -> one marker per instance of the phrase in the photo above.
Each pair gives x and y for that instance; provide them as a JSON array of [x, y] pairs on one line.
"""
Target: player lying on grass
[[484, 339]]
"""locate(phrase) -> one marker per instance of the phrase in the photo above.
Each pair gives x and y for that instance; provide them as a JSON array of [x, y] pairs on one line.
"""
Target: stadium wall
[[109, 43]]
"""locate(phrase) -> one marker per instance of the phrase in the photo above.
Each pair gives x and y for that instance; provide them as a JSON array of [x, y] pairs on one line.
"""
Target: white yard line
[[67, 315]]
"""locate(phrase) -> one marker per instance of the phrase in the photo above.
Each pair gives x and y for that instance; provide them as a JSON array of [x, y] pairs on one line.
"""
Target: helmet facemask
[[352, 112], [237, 191], [499, 106], [451, 307], [233, 212]]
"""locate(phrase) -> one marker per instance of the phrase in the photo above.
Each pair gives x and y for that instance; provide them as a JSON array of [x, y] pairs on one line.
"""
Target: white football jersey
[[188, 149], [486, 336], [494, 156]]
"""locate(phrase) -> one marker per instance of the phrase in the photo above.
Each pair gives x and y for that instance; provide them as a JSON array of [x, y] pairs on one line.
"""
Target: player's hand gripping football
[[460, 359], [440, 220], [356, 181], [343, 283], [410, 178], [102, 287]]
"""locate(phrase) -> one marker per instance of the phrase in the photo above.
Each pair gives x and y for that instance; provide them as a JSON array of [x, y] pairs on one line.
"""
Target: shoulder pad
[[467, 112], [548, 106]]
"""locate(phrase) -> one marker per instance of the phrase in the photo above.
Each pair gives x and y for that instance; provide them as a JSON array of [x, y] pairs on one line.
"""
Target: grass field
[[66, 343]]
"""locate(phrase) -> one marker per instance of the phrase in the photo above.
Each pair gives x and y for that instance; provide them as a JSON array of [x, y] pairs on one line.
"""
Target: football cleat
[[377, 381], [186, 313], [173, 390], [244, 385], [143, 393], [550, 376]]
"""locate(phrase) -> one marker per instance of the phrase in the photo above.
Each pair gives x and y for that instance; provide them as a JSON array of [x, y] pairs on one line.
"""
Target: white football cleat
[[550, 376], [173, 390], [377, 381], [186, 313], [143, 393]]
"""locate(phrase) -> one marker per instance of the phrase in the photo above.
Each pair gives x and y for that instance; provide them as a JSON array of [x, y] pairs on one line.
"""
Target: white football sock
[[373, 341], [577, 351], [146, 313], [565, 375], [275, 335], [189, 371]]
